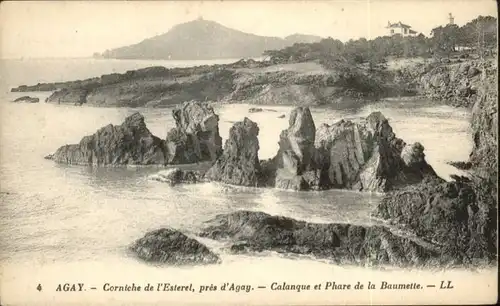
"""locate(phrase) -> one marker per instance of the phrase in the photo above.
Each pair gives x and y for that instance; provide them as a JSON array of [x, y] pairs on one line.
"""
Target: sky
[[80, 28]]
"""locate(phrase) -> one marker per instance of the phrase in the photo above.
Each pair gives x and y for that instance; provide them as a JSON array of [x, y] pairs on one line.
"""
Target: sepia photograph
[[318, 152]]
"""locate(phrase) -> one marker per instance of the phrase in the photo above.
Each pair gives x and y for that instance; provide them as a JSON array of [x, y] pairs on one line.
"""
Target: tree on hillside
[[445, 39], [480, 33]]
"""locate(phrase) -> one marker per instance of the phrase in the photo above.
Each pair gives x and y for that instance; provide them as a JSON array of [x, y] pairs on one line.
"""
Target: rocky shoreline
[[439, 223]]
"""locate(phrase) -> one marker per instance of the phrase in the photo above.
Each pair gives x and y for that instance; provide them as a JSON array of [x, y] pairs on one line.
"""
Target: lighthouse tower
[[451, 19]]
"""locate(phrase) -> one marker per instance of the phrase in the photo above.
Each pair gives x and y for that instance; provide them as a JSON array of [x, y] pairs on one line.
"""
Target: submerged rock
[[176, 176], [239, 164], [130, 143], [251, 231], [170, 246], [196, 135], [255, 110], [27, 99]]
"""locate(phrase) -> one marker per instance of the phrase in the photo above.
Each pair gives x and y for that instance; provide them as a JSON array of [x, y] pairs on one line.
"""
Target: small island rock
[[172, 247], [27, 99], [130, 143]]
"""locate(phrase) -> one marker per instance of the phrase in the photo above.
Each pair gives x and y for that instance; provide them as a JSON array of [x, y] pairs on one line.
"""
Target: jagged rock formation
[[239, 164], [251, 231], [364, 155], [172, 247], [368, 156], [129, 143], [27, 99], [196, 135], [294, 161], [194, 139]]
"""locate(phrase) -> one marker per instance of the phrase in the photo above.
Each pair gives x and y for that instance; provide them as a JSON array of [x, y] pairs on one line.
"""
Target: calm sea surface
[[73, 224]]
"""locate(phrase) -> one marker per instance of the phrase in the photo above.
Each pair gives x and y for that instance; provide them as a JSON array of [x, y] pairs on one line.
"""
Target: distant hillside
[[204, 39]]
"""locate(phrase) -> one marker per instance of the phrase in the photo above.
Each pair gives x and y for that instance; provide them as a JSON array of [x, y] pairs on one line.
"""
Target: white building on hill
[[401, 29]]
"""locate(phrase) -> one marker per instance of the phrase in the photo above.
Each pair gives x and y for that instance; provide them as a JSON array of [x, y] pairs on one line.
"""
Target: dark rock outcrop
[[27, 99], [342, 243], [172, 247], [239, 164], [69, 96], [196, 135], [130, 143], [176, 176]]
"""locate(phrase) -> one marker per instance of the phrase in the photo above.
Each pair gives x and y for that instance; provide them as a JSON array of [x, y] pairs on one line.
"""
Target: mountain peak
[[204, 39]]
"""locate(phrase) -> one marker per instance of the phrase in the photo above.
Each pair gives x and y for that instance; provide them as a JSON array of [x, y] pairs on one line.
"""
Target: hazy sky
[[78, 29]]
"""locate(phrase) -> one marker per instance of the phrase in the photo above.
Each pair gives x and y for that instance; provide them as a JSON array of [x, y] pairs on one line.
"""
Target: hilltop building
[[401, 29], [451, 19]]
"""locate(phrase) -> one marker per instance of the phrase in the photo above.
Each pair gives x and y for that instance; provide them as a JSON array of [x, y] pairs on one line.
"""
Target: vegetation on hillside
[[480, 33]]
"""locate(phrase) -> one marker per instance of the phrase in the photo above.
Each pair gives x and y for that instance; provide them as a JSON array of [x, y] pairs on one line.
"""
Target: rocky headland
[[246, 81]]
